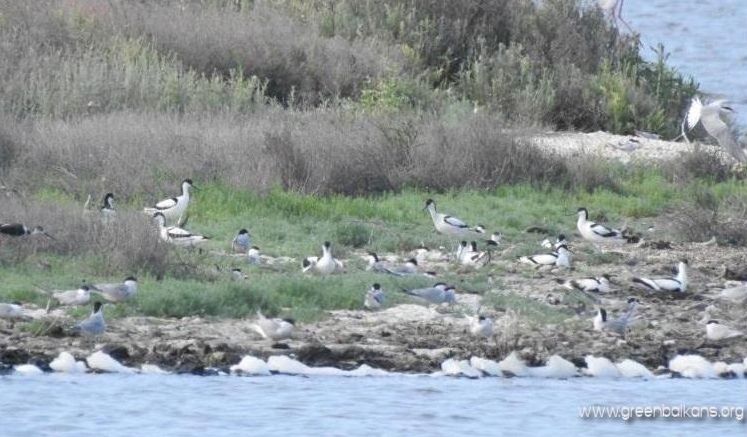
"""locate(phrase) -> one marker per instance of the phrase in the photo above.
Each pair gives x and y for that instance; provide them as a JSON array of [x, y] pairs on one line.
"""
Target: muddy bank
[[415, 338]]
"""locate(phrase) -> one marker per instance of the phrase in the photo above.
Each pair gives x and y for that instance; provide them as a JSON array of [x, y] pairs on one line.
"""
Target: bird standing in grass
[[174, 208], [117, 291], [375, 298], [716, 331], [438, 294], [241, 242], [449, 225]]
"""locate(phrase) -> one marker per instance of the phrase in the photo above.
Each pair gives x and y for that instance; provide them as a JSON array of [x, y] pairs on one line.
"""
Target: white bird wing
[[669, 284], [603, 231], [720, 131], [167, 203], [541, 259], [453, 221], [175, 232], [648, 283], [693, 113]]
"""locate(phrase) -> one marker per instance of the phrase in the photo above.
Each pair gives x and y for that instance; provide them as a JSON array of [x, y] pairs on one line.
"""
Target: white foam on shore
[[27, 369], [514, 365], [556, 367], [600, 367], [692, 366], [488, 367], [251, 366], [152, 369], [286, 365], [105, 363], [632, 369], [65, 363], [452, 367]]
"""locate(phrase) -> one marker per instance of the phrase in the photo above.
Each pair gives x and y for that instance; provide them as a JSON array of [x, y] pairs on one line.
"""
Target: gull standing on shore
[[94, 324]]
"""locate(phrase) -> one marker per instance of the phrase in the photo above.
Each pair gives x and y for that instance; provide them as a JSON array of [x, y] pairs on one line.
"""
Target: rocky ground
[[413, 337]]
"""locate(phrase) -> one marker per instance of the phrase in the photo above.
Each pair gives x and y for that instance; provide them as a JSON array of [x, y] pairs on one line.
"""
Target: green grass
[[197, 282]]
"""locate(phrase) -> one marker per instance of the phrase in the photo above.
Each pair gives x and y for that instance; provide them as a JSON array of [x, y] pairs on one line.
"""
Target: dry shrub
[[706, 218], [301, 66], [124, 245], [700, 163]]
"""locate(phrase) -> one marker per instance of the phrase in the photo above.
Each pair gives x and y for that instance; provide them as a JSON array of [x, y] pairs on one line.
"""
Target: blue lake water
[[169, 405], [705, 39]]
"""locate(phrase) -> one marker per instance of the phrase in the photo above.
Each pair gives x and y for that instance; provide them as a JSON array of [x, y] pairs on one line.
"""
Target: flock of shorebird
[[466, 254], [169, 216]]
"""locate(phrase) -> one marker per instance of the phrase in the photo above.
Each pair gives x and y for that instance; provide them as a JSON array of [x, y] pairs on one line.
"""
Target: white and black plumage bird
[[559, 258], [19, 230], [597, 284], [174, 208], [107, 207], [716, 331], [117, 291], [326, 264], [375, 298], [480, 326], [709, 116], [409, 267], [273, 329], [597, 233], [174, 234], [94, 324], [469, 256], [676, 284], [241, 242], [450, 225]]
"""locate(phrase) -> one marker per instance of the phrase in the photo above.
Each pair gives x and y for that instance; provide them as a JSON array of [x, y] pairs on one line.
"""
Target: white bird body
[[273, 329], [173, 208], [480, 326], [241, 242], [596, 233], [449, 225], [598, 284], [716, 331], [709, 116], [253, 255], [375, 298], [326, 264], [559, 258], [117, 292], [94, 324], [81, 296], [471, 257], [438, 294], [619, 325], [735, 294], [174, 234], [12, 312], [676, 284]]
